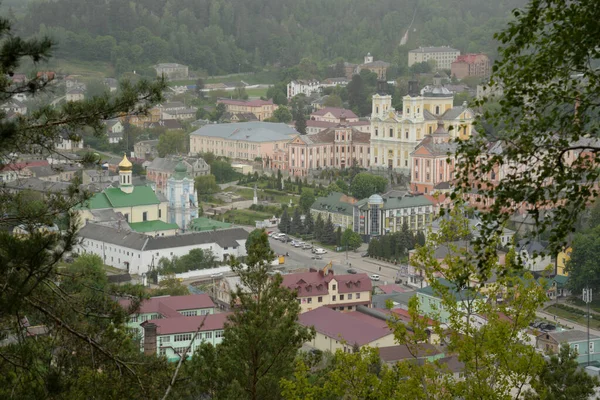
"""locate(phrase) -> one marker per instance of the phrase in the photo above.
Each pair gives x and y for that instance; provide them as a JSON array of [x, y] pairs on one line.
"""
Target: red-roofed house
[[334, 114], [314, 126], [471, 65], [12, 172], [343, 331], [166, 308], [263, 109], [171, 337], [388, 289], [322, 288]]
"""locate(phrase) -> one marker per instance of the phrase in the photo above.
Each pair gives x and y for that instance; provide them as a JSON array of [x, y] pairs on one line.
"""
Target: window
[[183, 337], [189, 313], [320, 299], [159, 213], [341, 297], [406, 135], [391, 132], [207, 335], [164, 339], [127, 217], [309, 301], [591, 347], [333, 298], [218, 334], [350, 296], [334, 287], [576, 347], [376, 132], [145, 216], [133, 319], [357, 296]]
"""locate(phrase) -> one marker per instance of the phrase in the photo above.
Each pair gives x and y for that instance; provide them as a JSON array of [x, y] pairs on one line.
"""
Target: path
[[405, 37], [566, 322]]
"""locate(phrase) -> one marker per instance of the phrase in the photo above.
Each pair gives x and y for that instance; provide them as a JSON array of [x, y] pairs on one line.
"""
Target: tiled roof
[[248, 103], [20, 166], [402, 352], [152, 226], [314, 283], [351, 283], [572, 335], [454, 112], [341, 326], [530, 246], [224, 238], [172, 304], [391, 288], [336, 112], [124, 238], [248, 131], [336, 203], [202, 323]]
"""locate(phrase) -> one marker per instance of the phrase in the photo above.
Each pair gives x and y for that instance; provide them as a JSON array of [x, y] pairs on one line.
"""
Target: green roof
[[152, 226], [116, 198], [391, 203], [98, 201], [334, 204], [459, 295], [561, 280], [207, 224]]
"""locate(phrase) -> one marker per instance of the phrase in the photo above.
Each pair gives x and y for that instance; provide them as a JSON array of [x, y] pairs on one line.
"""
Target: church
[[139, 208]]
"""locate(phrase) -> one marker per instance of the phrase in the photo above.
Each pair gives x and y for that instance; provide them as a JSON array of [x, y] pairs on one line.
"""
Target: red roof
[[343, 326], [20, 166], [169, 306], [392, 288], [403, 315], [314, 283], [351, 283], [249, 103], [469, 58], [336, 112], [327, 124], [169, 326]]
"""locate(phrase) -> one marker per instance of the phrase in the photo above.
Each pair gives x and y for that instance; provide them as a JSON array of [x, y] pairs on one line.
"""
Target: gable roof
[[152, 226], [201, 323], [248, 131], [402, 352], [120, 237], [247, 103], [116, 198], [335, 203], [335, 111], [568, 336], [342, 326], [314, 283], [172, 304], [459, 295]]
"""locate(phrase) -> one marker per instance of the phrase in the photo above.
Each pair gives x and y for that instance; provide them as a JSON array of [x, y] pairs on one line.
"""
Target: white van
[[320, 251]]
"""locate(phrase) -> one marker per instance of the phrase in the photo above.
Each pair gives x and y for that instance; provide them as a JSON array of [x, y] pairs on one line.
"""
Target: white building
[[307, 87], [171, 70], [137, 253], [66, 143], [533, 255], [114, 130], [183, 204], [76, 94], [443, 56]]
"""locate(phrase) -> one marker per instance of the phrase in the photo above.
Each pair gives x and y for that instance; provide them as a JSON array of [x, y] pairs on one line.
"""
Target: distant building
[[378, 67], [183, 203], [67, 142], [443, 56], [262, 109], [338, 206], [171, 71], [75, 94], [534, 255], [432, 305], [334, 114], [550, 342], [14, 106], [114, 130], [176, 110], [146, 149], [161, 169], [306, 87], [471, 65]]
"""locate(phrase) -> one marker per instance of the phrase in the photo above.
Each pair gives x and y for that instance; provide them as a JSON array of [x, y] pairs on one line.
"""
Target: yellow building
[[140, 205], [396, 134], [561, 261]]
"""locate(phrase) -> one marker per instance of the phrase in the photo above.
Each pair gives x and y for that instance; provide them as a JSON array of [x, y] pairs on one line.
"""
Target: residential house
[[114, 130], [153, 116], [240, 117], [431, 304], [378, 67], [322, 288], [443, 56], [334, 115], [340, 147], [345, 331], [68, 142], [550, 343], [394, 135], [224, 288], [171, 71], [466, 65], [262, 109], [306, 87], [339, 81], [242, 141], [165, 307], [138, 253], [336, 205], [313, 126], [146, 149], [562, 259], [176, 110], [177, 337], [76, 94], [112, 84], [475, 223], [63, 173], [14, 106], [533, 255], [421, 352], [161, 169], [21, 170], [387, 213]]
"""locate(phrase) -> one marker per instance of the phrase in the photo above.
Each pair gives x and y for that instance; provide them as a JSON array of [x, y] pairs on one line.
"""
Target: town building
[[433, 162], [75, 94], [340, 147], [176, 110], [174, 338], [261, 109], [165, 307], [136, 203], [443, 56], [144, 120], [336, 205], [68, 142], [562, 258], [378, 67], [139, 253], [243, 141], [334, 115], [422, 352], [224, 288], [14, 106], [171, 71], [306, 87], [183, 203], [474, 224], [161, 169], [394, 135], [387, 213], [471, 65], [345, 331], [114, 130], [550, 342], [534, 255], [432, 305], [313, 126], [146, 149], [315, 289], [20, 170]]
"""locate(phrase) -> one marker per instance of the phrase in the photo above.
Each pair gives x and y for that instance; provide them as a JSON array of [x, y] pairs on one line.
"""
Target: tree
[[285, 224], [364, 185], [218, 112], [296, 226], [253, 238], [548, 116], [357, 96], [199, 90], [309, 224], [298, 105], [319, 228], [333, 100], [328, 234], [282, 114], [262, 337], [338, 236], [278, 94], [562, 379], [172, 142], [170, 287], [206, 186], [583, 265], [223, 171], [420, 68], [351, 240], [307, 198]]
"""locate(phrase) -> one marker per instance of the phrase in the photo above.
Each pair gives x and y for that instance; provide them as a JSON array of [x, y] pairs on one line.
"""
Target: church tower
[[368, 58], [183, 204], [125, 167], [381, 105]]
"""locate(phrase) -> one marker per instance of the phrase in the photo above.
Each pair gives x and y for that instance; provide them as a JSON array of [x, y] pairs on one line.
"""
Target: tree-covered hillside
[[221, 36]]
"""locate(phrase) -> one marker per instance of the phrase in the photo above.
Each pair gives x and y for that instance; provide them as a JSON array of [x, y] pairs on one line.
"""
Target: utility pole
[[587, 298]]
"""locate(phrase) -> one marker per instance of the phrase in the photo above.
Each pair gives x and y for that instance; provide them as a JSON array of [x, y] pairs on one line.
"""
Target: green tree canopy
[[172, 142], [307, 198], [282, 114], [364, 185], [206, 185], [351, 239]]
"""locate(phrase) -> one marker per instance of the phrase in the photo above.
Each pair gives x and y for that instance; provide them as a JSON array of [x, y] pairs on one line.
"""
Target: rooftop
[[434, 49], [401, 201], [248, 131], [392, 354], [116, 198], [152, 226], [336, 112], [569, 336], [168, 306], [201, 323], [460, 294], [335, 202], [248, 103], [207, 224], [316, 283]]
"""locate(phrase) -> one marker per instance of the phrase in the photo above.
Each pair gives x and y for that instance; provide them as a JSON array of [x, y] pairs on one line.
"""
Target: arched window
[[437, 110]]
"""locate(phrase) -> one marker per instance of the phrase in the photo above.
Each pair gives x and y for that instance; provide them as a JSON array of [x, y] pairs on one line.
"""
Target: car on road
[[374, 277], [272, 234], [293, 243], [365, 254], [307, 246], [351, 271], [320, 251], [299, 244], [282, 237], [317, 257]]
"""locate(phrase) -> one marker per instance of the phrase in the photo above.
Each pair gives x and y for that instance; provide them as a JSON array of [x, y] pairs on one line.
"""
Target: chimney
[[149, 339]]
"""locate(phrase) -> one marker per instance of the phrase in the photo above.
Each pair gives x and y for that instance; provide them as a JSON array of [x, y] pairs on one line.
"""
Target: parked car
[[299, 244], [374, 277], [307, 246], [351, 271], [317, 257], [293, 243], [320, 251], [365, 254]]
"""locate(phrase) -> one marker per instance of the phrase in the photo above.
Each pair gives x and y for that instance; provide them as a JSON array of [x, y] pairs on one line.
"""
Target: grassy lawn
[[272, 196], [246, 217], [595, 305], [257, 93], [580, 319], [96, 69]]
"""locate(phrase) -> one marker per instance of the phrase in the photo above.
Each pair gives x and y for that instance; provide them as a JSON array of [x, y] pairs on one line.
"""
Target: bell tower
[[125, 168]]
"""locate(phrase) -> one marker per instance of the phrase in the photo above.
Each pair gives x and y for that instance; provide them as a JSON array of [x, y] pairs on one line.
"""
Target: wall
[[326, 343], [213, 337]]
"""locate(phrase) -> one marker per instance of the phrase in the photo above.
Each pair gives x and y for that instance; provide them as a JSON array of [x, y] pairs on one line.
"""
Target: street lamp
[[587, 298]]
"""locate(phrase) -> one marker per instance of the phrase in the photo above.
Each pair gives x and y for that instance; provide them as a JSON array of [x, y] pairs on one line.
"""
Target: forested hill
[[222, 36]]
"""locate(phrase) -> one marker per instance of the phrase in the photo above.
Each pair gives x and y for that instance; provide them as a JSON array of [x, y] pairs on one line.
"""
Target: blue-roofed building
[[243, 140]]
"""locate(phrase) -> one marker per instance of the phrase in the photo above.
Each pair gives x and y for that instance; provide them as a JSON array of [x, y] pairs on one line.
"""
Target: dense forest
[[223, 36]]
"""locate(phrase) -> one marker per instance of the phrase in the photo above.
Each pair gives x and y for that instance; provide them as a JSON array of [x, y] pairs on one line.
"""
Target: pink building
[[262, 109], [334, 114]]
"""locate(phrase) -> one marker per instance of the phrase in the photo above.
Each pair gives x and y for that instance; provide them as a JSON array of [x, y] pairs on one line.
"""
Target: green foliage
[[583, 265], [420, 68], [319, 228], [223, 171], [297, 227], [364, 185], [333, 100], [285, 224], [196, 259], [206, 186], [170, 287], [278, 93], [218, 112], [394, 246], [328, 232], [357, 96], [307, 198], [282, 114], [351, 240], [299, 106], [309, 224], [172, 142]]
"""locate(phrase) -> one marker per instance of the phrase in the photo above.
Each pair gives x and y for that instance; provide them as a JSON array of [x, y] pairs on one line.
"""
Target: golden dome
[[125, 164]]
